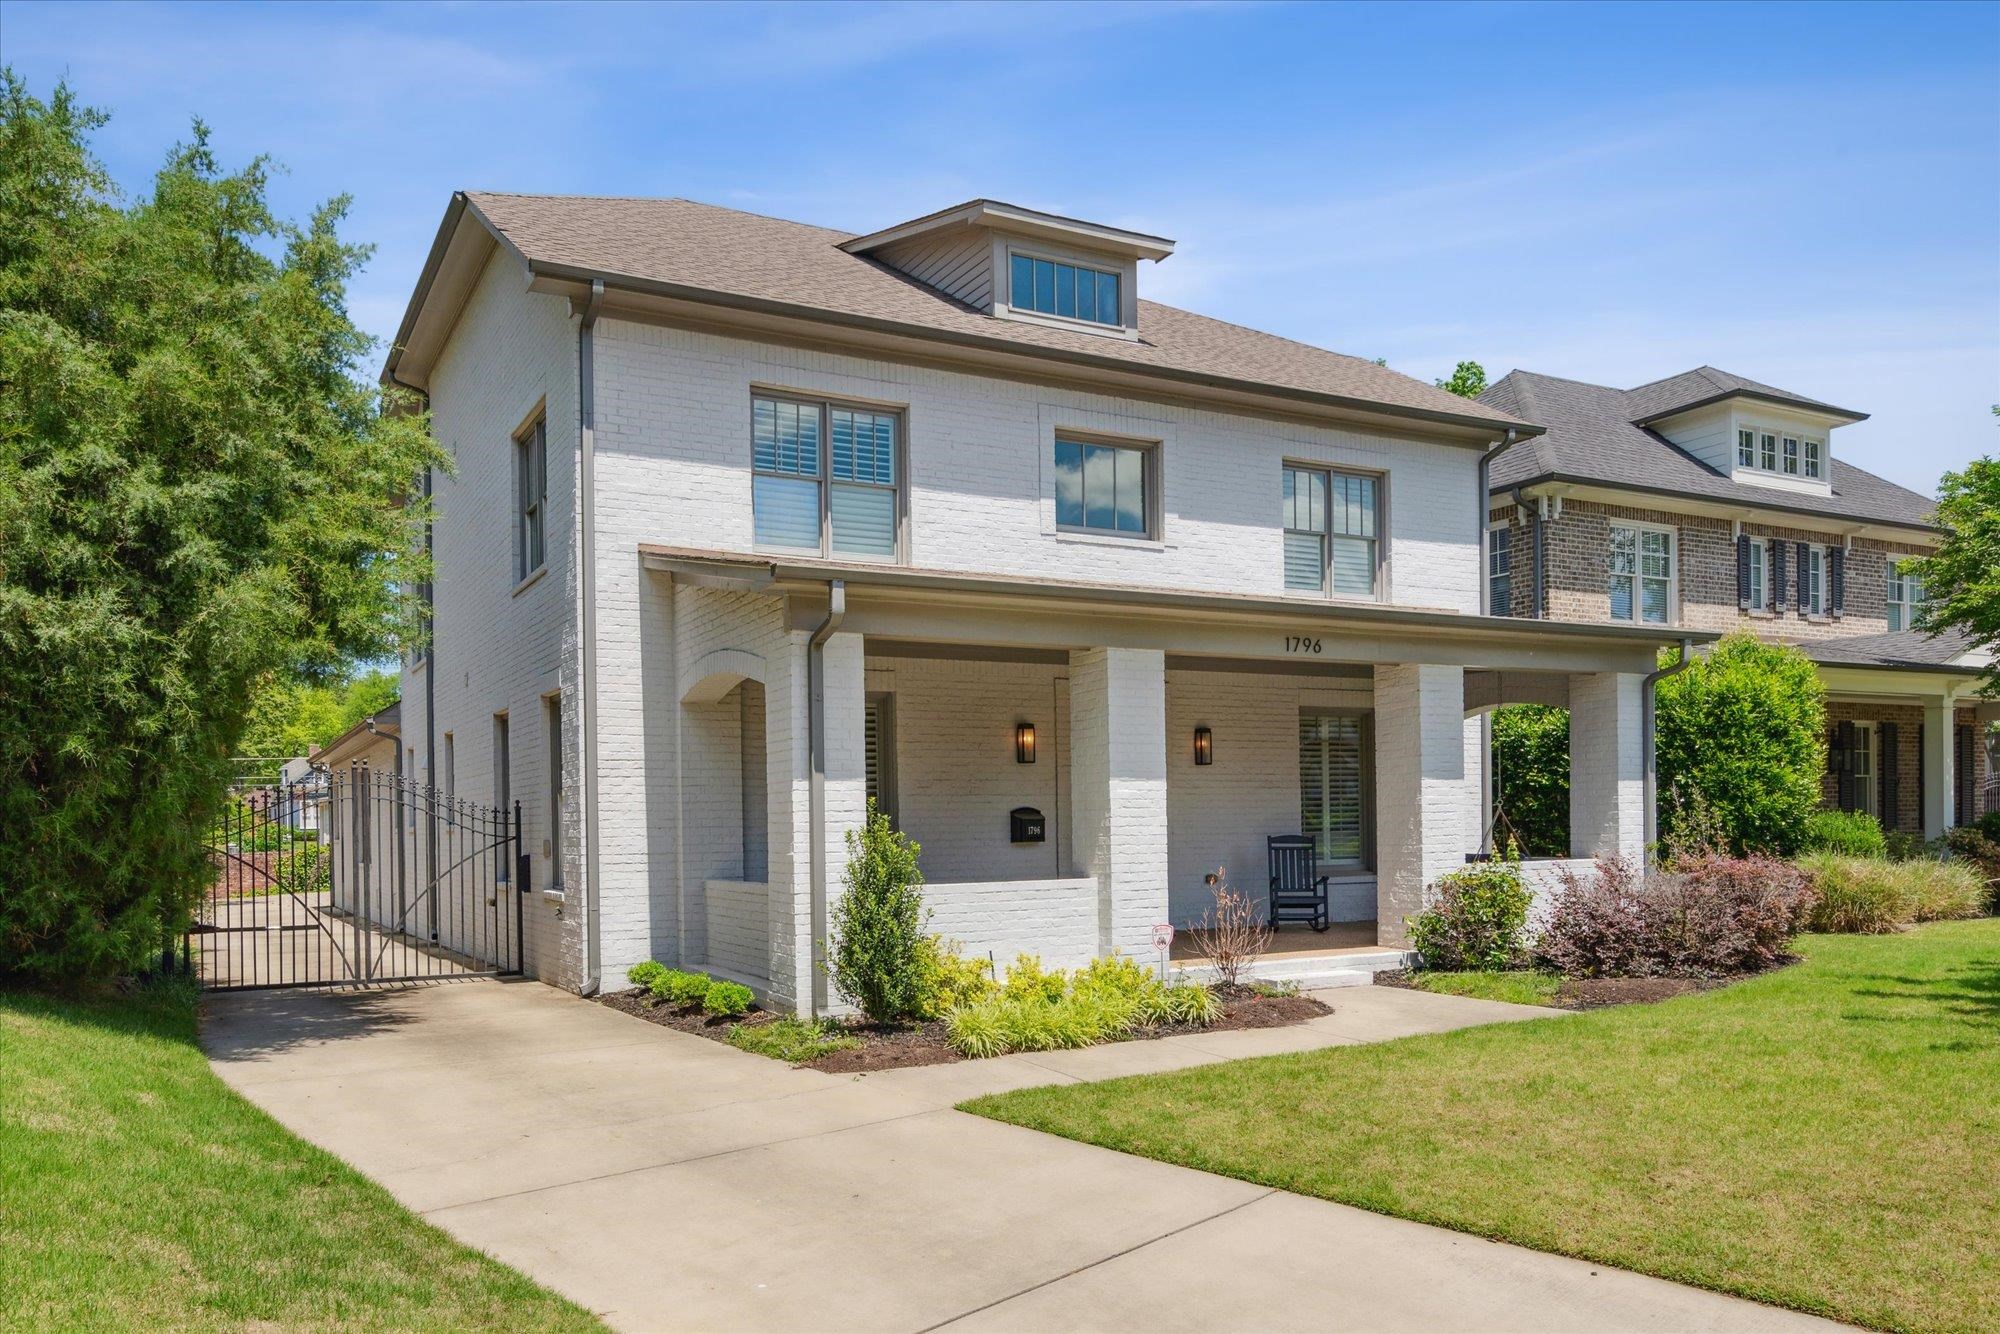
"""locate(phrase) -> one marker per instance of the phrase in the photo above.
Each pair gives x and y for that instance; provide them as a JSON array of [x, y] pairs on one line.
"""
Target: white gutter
[[836, 612], [1647, 712]]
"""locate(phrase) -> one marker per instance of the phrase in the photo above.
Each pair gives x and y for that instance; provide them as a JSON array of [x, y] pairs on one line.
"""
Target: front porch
[[1070, 799]]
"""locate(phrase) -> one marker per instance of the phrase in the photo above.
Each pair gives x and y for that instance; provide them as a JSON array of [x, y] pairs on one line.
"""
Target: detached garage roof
[[745, 261]]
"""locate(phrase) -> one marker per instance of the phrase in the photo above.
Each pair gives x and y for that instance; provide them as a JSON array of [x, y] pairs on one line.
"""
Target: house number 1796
[[1301, 644]]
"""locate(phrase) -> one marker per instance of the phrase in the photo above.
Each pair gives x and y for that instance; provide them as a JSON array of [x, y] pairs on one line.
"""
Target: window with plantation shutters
[[879, 746], [1334, 781], [1330, 521], [824, 477], [1640, 579]]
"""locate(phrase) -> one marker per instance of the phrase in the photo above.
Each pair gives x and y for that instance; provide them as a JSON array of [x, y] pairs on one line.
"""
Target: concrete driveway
[[670, 1182]]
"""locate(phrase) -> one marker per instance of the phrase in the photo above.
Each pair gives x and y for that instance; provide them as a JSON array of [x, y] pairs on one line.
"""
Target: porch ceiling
[[938, 606]]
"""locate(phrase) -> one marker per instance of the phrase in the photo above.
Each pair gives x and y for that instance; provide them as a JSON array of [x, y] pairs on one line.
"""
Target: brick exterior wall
[[1908, 815]]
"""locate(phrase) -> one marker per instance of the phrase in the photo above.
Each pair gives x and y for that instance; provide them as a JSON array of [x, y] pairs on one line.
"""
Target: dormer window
[[1746, 449], [1792, 455], [1767, 451], [1815, 459], [1067, 291]]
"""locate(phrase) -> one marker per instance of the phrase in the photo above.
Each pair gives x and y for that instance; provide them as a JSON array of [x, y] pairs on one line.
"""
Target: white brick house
[[752, 521]]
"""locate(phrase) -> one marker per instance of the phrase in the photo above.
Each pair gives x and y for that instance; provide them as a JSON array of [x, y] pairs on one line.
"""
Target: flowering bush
[[1708, 915]]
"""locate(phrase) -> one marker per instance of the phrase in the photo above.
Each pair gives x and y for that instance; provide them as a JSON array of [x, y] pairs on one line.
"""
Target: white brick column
[[1421, 803], [1118, 789], [1940, 767], [845, 699], [1607, 776]]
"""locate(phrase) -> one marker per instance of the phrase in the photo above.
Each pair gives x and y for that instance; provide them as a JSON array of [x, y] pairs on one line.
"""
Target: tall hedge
[[199, 489], [1741, 745], [1531, 759]]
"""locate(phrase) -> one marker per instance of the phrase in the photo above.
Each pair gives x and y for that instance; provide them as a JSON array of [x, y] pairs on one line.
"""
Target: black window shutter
[[1843, 764], [1743, 573], [1774, 597], [1805, 579], [1962, 771], [1885, 764], [1921, 766], [1836, 579]]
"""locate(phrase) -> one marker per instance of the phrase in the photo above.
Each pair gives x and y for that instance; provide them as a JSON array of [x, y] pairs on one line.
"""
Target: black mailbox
[[1026, 825]]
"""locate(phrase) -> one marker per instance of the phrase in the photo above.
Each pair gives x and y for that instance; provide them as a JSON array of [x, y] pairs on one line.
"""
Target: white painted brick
[[1607, 809], [1420, 787]]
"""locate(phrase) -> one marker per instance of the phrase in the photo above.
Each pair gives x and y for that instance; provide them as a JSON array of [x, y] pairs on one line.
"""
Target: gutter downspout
[[1488, 812], [586, 542], [836, 612], [1646, 721], [430, 714]]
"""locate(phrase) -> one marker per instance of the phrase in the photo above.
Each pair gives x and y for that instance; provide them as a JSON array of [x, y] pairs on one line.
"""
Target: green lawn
[[1518, 987], [138, 1191], [1826, 1137]]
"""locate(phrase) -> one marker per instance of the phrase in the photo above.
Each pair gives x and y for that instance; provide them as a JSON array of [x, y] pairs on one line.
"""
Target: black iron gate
[[358, 876]]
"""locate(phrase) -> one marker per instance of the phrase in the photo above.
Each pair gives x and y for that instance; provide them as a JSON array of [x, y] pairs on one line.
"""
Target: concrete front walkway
[[670, 1182]]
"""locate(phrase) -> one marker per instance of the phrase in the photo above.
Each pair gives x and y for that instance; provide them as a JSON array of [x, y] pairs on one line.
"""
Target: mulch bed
[[1597, 993], [892, 1048]]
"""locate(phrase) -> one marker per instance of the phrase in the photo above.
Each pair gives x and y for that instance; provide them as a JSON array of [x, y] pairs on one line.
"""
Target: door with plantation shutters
[[1335, 777], [881, 753]]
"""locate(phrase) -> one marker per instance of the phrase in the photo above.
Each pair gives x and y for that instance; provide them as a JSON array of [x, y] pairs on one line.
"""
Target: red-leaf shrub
[[1709, 915]]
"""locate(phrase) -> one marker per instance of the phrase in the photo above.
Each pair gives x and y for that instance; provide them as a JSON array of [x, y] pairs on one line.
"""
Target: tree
[[198, 491], [1531, 757], [1962, 577], [1468, 380], [877, 958], [1741, 742], [290, 717]]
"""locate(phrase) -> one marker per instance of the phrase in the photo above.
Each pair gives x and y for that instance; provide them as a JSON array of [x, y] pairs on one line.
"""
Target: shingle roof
[[1706, 384], [1592, 437], [747, 255], [1900, 648]]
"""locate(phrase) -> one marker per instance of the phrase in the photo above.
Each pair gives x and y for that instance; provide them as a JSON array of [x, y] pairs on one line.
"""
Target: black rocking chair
[[1297, 895]]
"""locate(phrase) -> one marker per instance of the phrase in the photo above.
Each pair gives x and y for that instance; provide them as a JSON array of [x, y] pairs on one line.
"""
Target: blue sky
[[1808, 195]]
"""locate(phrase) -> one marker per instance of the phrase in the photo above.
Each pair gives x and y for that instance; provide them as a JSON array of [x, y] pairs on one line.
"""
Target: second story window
[[1746, 449], [1904, 594], [1330, 532], [1640, 581], [1104, 488], [531, 495], [1812, 583], [1500, 571], [1760, 576], [824, 477], [1815, 459], [1070, 291], [1792, 455], [1767, 451]]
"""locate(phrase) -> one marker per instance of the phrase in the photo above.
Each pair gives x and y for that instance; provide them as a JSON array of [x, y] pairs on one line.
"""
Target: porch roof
[[1388, 628]]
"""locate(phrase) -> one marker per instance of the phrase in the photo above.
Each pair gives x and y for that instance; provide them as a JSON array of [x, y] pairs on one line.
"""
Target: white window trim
[[1155, 447], [1867, 787], [1819, 586], [1366, 864], [826, 403], [1638, 573], [1760, 576], [1498, 526], [523, 446], [1908, 605], [1814, 459], [1381, 539]]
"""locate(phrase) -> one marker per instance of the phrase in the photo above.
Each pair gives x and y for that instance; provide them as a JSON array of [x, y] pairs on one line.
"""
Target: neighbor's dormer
[[1017, 264], [1747, 431]]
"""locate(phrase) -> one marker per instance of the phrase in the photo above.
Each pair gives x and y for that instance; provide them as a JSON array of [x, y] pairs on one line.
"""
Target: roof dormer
[[1747, 431], [1015, 263]]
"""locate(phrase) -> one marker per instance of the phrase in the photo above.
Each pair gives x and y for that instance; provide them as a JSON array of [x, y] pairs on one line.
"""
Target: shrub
[[1192, 1003], [1026, 981], [1861, 895], [977, 1031], [1531, 758], [1475, 920], [1847, 833], [948, 981], [1709, 915], [641, 975], [1742, 730], [1989, 825], [1900, 845], [680, 989], [1970, 844], [789, 1038], [1233, 933], [876, 960], [727, 999]]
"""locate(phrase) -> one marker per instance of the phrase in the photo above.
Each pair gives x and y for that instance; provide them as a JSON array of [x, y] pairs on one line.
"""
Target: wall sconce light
[[1204, 746], [1024, 743]]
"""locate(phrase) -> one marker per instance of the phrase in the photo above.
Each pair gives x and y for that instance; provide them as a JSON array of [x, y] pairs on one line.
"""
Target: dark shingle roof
[[747, 255], [1900, 648], [1592, 437], [1706, 384]]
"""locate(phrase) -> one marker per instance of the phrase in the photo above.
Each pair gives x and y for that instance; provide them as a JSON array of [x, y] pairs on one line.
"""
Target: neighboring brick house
[[752, 521], [1714, 503]]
